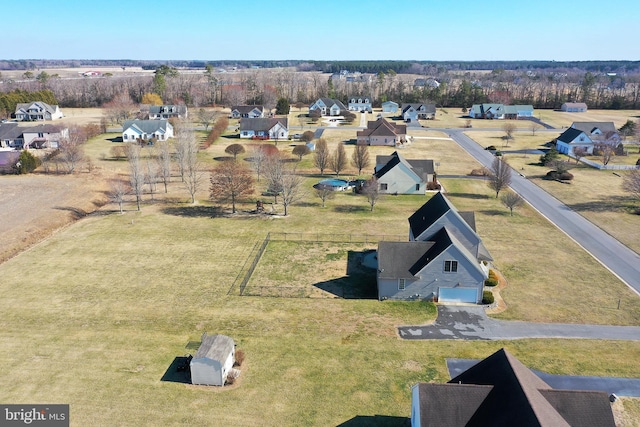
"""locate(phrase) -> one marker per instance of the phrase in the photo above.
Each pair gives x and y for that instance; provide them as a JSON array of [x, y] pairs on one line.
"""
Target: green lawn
[[95, 315]]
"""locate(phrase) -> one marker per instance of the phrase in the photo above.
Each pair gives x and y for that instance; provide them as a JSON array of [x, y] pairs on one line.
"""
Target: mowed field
[[95, 315]]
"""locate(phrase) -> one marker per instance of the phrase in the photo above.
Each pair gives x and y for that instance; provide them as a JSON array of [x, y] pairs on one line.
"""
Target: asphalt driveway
[[472, 323]]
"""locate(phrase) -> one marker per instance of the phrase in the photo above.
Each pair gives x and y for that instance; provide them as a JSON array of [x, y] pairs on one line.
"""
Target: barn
[[213, 361]]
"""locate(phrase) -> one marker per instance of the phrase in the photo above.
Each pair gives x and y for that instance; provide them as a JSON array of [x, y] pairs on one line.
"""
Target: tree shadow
[[376, 421], [358, 283], [469, 195], [495, 212], [610, 204], [223, 158], [175, 372], [76, 213], [351, 209], [115, 139], [194, 211]]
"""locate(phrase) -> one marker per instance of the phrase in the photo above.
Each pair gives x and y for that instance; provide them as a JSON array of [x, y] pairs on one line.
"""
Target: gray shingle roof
[[146, 126], [569, 135], [245, 109], [262, 124], [589, 127], [215, 347], [422, 168]]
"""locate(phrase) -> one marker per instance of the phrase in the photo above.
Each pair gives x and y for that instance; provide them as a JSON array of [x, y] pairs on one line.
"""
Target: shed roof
[[215, 347]]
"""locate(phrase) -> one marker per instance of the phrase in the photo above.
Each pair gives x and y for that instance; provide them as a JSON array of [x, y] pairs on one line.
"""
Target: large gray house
[[444, 258], [397, 175]]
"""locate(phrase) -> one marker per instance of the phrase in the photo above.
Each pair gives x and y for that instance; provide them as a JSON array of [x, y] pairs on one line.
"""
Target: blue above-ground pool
[[333, 184]]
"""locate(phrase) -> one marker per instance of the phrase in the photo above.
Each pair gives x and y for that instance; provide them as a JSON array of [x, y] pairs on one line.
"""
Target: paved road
[[619, 386], [619, 259], [466, 322]]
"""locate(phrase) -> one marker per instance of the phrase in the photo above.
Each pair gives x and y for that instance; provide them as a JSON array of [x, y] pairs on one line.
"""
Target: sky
[[427, 30]]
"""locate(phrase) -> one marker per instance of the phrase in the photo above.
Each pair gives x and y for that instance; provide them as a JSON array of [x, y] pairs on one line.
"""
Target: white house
[[264, 128], [571, 139], [574, 107], [360, 103], [587, 135], [413, 112], [213, 361], [500, 111], [397, 175], [328, 106], [144, 130], [37, 111], [44, 136]]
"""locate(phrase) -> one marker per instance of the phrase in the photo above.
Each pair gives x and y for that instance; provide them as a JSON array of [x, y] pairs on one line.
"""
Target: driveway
[[619, 386], [471, 323]]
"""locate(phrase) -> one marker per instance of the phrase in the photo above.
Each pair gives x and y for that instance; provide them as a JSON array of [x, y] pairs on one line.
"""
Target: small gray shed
[[213, 361]]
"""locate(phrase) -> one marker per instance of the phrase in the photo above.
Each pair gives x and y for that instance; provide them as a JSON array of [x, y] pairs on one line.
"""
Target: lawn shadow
[[178, 371], [76, 213], [376, 421], [468, 195], [359, 283], [351, 208], [223, 158], [194, 211], [115, 139], [610, 204], [495, 212]]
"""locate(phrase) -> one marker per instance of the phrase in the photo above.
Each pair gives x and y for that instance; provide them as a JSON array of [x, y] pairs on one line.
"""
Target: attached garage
[[458, 294]]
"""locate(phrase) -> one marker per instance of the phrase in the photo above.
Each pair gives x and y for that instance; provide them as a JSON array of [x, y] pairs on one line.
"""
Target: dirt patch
[[33, 207]]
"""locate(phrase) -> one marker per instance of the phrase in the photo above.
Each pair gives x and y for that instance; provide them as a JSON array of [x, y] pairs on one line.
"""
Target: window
[[400, 284], [450, 266], [417, 187], [383, 186]]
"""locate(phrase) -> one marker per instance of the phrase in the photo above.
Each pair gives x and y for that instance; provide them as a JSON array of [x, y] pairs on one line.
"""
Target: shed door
[[457, 295]]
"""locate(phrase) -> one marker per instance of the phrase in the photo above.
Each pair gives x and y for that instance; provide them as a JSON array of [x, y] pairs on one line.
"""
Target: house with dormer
[[247, 111], [328, 106], [360, 103], [444, 258], [397, 175], [159, 112], [382, 132], [37, 111], [587, 136]]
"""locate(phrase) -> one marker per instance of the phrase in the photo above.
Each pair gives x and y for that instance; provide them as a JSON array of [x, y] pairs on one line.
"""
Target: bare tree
[[300, 151], [136, 174], [338, 160], [307, 136], [499, 175], [322, 155], [151, 176], [511, 200], [71, 153], [229, 182], [192, 173], [206, 117], [234, 150], [535, 127], [273, 172], [164, 163], [579, 152], [360, 158], [606, 152], [118, 189], [291, 188], [120, 108], [258, 158], [371, 189], [325, 193], [631, 183], [508, 128]]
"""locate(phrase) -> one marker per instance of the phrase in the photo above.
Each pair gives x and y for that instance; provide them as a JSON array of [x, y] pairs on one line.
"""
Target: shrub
[[231, 378], [491, 282], [27, 163], [487, 297], [479, 172], [638, 162], [492, 274], [239, 358], [433, 186]]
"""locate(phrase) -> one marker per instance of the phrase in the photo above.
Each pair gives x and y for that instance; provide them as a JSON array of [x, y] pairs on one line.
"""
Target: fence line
[[606, 167], [252, 267], [335, 237]]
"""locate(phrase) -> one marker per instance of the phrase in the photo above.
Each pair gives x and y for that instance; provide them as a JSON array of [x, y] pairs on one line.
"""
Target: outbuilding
[[213, 361]]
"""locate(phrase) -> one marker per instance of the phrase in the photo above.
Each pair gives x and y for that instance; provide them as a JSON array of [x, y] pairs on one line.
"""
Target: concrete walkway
[[619, 386], [472, 323]]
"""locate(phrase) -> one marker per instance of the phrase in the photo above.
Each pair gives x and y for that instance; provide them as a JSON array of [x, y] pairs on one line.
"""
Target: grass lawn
[[95, 315]]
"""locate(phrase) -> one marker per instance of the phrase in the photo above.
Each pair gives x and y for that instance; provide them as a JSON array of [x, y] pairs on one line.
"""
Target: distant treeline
[[9, 100], [399, 67]]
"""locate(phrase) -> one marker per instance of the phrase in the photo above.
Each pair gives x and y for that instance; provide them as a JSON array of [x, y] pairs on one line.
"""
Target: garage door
[[457, 295]]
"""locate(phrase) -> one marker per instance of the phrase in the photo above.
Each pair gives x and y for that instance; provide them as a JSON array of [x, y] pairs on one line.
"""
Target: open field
[[596, 194], [110, 301]]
